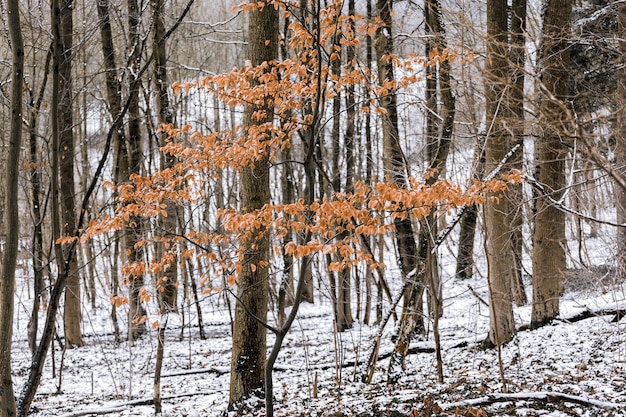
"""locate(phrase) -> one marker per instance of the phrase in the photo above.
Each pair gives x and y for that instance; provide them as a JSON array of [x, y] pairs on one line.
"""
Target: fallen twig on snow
[[545, 397], [118, 408]]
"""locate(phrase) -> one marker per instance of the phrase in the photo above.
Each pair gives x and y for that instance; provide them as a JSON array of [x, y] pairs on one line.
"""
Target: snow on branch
[[545, 397]]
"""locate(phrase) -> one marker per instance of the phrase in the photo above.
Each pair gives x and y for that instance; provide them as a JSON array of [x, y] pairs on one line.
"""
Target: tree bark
[[72, 307], [11, 217], [549, 235], [249, 335], [620, 145], [133, 160], [499, 251], [36, 181], [516, 99]]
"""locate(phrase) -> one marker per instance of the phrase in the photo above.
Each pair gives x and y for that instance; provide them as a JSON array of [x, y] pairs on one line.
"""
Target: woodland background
[[176, 168]]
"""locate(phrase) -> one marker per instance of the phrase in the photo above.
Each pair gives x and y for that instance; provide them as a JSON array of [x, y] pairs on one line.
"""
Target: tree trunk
[[395, 171], [516, 98], [72, 311], [132, 156], [36, 181], [549, 236], [167, 282], [499, 251], [11, 216], [249, 336], [620, 145]]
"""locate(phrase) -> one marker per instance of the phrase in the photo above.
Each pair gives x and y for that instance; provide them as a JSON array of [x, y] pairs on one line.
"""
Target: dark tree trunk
[[72, 311], [249, 336], [11, 218]]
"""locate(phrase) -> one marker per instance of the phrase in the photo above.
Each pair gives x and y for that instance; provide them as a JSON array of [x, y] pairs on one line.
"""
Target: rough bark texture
[[11, 216], [72, 311], [395, 171], [120, 162], [249, 336], [549, 235], [500, 257], [516, 104], [167, 281], [133, 163], [36, 182], [620, 145]]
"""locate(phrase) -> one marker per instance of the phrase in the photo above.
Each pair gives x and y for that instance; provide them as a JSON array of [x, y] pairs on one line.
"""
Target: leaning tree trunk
[[549, 236], [249, 335], [11, 216], [500, 257]]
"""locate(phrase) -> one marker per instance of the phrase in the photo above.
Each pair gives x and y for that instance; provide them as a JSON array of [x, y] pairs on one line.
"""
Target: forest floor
[[575, 366]]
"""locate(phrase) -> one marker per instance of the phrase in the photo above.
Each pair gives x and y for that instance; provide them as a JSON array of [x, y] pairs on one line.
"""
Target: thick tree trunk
[[549, 236], [516, 99], [500, 257], [249, 336], [11, 217]]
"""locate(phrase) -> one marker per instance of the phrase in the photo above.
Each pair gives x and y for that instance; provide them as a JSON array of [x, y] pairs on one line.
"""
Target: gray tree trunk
[[500, 257], [549, 236], [11, 216]]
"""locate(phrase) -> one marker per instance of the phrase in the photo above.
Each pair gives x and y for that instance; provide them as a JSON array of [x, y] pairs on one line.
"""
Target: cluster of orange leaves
[[287, 89]]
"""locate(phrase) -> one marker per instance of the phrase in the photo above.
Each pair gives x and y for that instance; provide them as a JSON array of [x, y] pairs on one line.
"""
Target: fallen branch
[[544, 397], [213, 370], [618, 313], [121, 407]]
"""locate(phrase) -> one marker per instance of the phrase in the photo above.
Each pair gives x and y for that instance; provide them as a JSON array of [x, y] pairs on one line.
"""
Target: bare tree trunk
[[411, 262], [11, 218], [134, 161], [500, 257], [72, 311], [620, 146], [549, 236], [167, 283], [36, 179], [249, 336], [516, 98]]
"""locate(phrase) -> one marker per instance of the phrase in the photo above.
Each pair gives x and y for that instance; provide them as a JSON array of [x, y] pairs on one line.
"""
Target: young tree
[[11, 216], [549, 234]]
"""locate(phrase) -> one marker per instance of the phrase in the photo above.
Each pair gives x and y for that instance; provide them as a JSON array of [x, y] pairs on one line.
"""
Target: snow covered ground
[[316, 374]]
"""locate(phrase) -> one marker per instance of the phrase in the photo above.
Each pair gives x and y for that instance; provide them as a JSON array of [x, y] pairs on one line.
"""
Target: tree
[[249, 334], [72, 311], [11, 216], [620, 144], [549, 234], [411, 262], [499, 251], [131, 157]]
